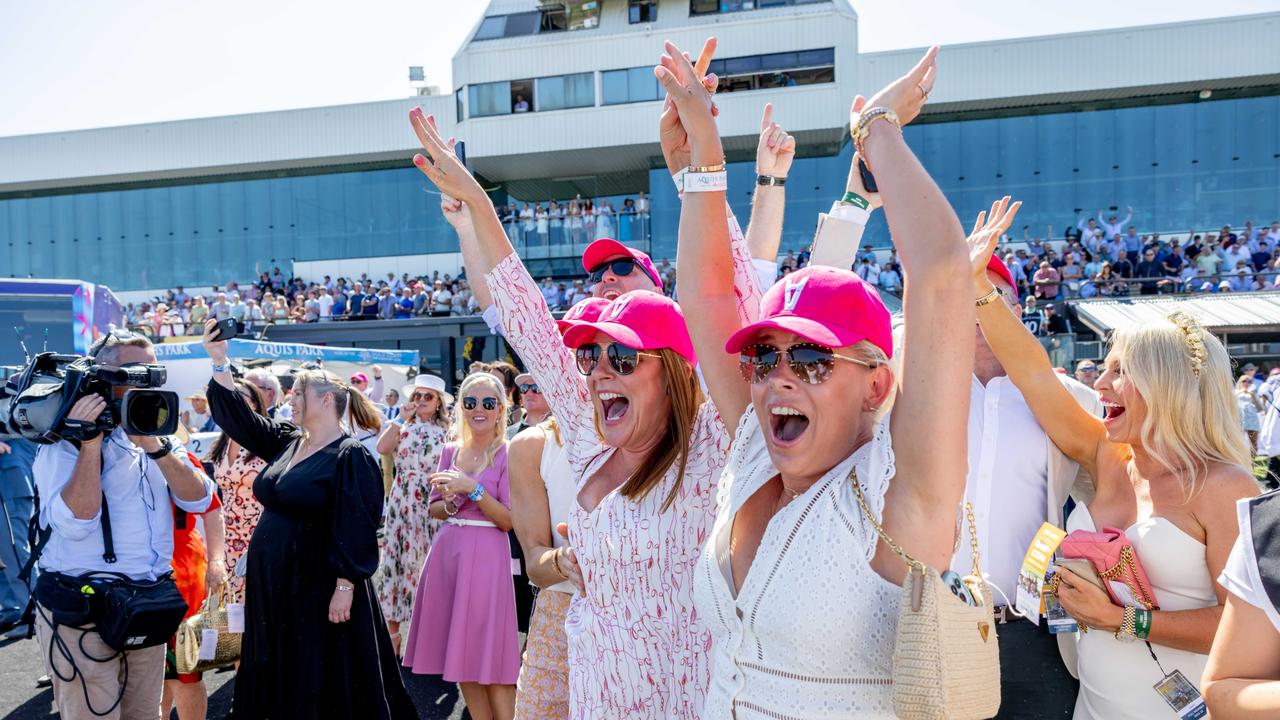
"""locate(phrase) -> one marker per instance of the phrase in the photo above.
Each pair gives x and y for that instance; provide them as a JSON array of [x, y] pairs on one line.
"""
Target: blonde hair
[[347, 400], [673, 449], [462, 429], [1183, 373], [552, 426]]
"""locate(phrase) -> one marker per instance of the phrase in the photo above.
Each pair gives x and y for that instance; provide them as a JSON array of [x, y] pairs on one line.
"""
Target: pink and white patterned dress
[[410, 529], [637, 647]]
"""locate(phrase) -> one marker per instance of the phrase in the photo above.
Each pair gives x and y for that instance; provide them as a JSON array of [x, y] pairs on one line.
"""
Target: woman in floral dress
[[234, 470], [415, 438]]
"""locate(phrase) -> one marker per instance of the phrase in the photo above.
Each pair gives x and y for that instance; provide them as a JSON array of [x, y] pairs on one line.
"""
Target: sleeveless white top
[[561, 493], [1117, 679], [811, 634]]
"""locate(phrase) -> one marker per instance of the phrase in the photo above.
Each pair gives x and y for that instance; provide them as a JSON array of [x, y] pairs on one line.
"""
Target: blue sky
[[67, 64]]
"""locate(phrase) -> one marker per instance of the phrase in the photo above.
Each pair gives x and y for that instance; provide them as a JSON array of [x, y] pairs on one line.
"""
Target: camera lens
[[150, 412]]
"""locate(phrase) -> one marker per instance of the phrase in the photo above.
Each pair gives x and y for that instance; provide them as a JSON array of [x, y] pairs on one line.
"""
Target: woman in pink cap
[[800, 596], [645, 451]]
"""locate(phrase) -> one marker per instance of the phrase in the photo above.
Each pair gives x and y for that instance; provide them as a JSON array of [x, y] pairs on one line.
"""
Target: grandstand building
[[1174, 120]]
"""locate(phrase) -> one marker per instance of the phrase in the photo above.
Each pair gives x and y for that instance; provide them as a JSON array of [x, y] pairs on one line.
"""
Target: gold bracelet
[[706, 168], [555, 560], [988, 298], [862, 129]]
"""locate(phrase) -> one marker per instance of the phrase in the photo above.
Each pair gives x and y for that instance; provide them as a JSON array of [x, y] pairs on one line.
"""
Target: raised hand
[[908, 94], [672, 135], [854, 184], [776, 149], [456, 213], [986, 234], [440, 164]]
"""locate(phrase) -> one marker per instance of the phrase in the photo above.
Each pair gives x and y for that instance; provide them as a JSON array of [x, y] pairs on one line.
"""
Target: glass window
[[525, 23], [458, 114], [566, 91], [491, 27], [584, 15], [642, 11], [711, 7], [486, 99], [628, 86], [776, 70]]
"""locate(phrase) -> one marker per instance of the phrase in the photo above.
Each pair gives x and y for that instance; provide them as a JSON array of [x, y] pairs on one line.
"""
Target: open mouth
[[478, 419], [1112, 410], [615, 407], [611, 294], [787, 424]]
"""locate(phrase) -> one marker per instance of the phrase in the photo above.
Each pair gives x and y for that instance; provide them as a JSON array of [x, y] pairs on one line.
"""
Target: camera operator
[[136, 476]]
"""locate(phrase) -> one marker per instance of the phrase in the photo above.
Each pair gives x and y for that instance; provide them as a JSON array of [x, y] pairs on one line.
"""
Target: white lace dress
[[811, 634]]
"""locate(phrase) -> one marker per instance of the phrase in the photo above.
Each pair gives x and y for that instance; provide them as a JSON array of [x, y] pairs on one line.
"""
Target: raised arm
[[708, 294], [775, 152], [937, 351], [523, 313], [1077, 433]]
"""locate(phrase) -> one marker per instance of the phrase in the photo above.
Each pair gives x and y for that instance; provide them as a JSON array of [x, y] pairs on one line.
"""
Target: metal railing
[[546, 238]]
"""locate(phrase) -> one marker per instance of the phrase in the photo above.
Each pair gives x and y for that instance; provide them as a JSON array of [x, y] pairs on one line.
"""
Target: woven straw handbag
[[211, 616], [946, 660]]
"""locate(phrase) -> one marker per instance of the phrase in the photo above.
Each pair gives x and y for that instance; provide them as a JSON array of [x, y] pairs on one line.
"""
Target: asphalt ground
[[20, 699]]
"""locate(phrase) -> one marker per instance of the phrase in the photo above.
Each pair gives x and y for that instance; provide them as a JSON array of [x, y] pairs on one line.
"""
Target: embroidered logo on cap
[[618, 306], [791, 294]]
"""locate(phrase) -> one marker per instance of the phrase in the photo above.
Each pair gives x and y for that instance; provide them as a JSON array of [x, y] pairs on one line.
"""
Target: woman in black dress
[[315, 644]]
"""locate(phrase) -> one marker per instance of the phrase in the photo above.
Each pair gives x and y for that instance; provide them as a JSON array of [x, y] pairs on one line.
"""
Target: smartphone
[[226, 329], [868, 180]]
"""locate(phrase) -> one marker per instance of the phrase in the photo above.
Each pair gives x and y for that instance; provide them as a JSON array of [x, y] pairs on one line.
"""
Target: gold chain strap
[[973, 537], [1116, 572]]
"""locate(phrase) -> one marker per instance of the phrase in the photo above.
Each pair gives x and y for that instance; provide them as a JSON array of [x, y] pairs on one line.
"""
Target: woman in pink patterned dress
[[646, 452], [235, 469], [415, 439]]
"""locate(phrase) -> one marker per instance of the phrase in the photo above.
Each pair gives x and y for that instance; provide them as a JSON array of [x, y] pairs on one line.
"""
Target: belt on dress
[[473, 523]]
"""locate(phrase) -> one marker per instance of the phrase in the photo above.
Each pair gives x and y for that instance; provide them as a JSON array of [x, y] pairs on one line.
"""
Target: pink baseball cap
[[997, 266], [640, 319], [825, 305], [359, 377], [606, 249], [587, 310]]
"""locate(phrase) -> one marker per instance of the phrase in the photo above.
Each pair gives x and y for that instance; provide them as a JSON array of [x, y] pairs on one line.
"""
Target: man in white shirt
[[1111, 228], [869, 271], [136, 477], [1018, 480], [642, 205], [326, 304], [889, 279]]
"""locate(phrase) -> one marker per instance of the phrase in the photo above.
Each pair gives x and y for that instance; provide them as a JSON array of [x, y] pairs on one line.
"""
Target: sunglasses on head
[[621, 267], [470, 402], [622, 358], [809, 361], [529, 388]]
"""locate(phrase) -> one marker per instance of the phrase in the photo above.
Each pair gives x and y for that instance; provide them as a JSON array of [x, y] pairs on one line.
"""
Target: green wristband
[[1142, 624], [854, 198]]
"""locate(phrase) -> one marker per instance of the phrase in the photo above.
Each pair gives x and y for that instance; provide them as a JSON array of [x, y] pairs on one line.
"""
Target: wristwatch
[[770, 180], [166, 447], [1128, 626]]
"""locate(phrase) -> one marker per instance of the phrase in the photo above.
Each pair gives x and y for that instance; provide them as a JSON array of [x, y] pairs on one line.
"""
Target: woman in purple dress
[[464, 613]]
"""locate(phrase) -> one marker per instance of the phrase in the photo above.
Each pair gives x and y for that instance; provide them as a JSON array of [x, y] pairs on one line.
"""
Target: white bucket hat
[[426, 381]]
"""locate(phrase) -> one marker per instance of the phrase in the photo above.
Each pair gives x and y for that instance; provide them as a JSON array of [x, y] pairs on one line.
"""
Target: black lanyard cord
[[56, 642]]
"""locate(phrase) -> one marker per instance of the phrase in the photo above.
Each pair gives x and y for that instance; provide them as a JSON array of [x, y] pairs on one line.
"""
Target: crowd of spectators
[[276, 300], [575, 221], [1099, 257]]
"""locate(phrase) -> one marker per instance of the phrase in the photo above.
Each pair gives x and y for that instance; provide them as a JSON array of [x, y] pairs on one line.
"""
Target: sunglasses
[[529, 388], [469, 403], [810, 362], [423, 397], [622, 358], [621, 267]]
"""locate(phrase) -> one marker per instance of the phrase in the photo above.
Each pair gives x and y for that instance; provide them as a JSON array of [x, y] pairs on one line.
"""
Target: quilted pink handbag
[[1113, 556]]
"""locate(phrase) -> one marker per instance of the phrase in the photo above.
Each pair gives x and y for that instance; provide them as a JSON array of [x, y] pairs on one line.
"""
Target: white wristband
[[678, 179], [706, 182], [850, 212]]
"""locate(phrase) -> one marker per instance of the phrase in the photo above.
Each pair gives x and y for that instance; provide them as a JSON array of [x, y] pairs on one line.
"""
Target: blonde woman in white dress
[[801, 598]]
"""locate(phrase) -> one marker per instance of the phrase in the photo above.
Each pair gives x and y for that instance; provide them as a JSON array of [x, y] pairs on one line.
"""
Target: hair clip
[[1191, 334]]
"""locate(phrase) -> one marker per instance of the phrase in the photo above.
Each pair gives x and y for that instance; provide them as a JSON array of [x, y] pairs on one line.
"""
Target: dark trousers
[[1034, 684], [1273, 473]]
